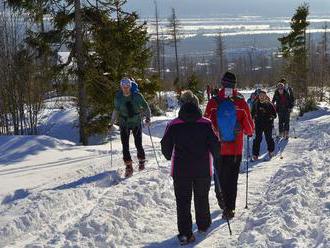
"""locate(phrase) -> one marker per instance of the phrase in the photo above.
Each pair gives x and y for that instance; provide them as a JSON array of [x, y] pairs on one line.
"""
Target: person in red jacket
[[230, 152]]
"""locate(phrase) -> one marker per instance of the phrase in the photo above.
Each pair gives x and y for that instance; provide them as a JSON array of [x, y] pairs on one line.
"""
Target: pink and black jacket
[[190, 142]]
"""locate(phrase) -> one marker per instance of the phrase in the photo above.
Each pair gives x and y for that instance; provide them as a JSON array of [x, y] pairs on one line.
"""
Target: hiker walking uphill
[[188, 141], [283, 104], [231, 118], [263, 113], [129, 109]]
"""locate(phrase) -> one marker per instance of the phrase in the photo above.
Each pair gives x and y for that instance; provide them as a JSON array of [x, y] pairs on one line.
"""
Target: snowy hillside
[[56, 194]]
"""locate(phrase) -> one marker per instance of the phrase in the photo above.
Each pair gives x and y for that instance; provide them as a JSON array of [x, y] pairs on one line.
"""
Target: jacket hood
[[189, 112]]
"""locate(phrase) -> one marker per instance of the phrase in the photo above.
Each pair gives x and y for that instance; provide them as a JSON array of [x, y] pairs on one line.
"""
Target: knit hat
[[283, 81], [228, 80], [188, 97], [125, 82]]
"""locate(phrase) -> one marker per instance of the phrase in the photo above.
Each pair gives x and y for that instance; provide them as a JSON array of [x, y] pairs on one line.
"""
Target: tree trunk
[[82, 104]]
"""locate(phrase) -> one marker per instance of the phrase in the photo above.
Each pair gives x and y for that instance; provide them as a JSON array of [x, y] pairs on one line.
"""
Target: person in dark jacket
[[263, 113], [190, 141], [283, 104], [129, 109]]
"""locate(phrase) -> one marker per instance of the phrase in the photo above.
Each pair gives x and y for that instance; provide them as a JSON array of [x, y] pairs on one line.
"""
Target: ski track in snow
[[86, 206]]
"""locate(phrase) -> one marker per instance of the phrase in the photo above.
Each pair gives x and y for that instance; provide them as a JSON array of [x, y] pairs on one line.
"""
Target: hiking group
[[219, 134]]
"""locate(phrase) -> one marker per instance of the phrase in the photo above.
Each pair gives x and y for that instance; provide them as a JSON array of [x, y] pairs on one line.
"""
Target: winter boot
[[129, 168], [141, 164], [184, 240]]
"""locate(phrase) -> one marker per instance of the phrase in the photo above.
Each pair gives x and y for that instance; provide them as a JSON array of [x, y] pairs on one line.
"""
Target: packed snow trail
[[89, 204]]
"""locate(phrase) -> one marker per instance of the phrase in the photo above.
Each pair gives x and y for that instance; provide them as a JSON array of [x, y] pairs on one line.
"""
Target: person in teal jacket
[[129, 109]]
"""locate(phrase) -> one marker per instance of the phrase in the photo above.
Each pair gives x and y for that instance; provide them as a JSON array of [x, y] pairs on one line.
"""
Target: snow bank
[[17, 148], [296, 208]]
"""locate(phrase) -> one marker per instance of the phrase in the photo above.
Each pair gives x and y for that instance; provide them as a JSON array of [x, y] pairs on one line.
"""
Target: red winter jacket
[[243, 117]]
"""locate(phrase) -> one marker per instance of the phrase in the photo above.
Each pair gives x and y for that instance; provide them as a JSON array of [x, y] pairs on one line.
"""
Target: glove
[[147, 122], [110, 127]]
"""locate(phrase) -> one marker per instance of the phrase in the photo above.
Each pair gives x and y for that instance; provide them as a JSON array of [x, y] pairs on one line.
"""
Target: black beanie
[[228, 80]]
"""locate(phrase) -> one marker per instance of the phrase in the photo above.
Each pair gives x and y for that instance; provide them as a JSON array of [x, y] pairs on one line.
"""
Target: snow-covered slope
[[62, 195]]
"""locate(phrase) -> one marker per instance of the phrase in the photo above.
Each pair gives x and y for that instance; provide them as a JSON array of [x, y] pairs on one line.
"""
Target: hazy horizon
[[221, 8]]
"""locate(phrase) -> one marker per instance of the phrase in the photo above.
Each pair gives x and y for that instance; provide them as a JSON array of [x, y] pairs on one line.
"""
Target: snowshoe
[[184, 240], [129, 169]]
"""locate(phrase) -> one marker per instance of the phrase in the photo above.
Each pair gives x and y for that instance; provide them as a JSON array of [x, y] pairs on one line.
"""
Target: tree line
[[104, 42]]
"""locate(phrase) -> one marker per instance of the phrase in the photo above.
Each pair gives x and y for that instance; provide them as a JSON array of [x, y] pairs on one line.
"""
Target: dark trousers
[[283, 121], [227, 170], [124, 136], [267, 130], [183, 188]]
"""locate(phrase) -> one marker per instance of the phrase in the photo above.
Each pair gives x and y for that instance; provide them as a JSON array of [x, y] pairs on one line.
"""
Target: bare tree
[[220, 54], [157, 39], [174, 30]]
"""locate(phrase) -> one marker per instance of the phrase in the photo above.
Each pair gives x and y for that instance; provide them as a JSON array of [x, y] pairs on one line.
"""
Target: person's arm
[[248, 125], [253, 110], [272, 111], [213, 143], [167, 143], [274, 97], [210, 107], [115, 113], [114, 117], [145, 107]]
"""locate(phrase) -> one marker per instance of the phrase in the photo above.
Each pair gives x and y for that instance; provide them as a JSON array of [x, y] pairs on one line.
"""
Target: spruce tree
[[295, 52], [105, 44]]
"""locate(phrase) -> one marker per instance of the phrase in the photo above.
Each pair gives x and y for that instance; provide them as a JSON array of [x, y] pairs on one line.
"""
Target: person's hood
[[189, 112]]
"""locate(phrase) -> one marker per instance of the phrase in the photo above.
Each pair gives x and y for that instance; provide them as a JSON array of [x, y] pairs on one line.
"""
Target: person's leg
[[217, 185], [257, 141], [287, 124], [137, 133], [183, 195], [281, 118], [201, 188], [124, 136], [269, 138], [228, 179]]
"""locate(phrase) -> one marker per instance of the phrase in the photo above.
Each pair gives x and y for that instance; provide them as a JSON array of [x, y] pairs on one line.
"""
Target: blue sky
[[213, 8]]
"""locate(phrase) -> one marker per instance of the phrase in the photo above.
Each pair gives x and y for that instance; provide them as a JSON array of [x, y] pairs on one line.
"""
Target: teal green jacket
[[130, 109]]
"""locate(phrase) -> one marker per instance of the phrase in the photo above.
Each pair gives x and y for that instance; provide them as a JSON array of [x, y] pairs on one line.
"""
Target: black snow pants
[[124, 136], [267, 130], [284, 121], [227, 169], [183, 188]]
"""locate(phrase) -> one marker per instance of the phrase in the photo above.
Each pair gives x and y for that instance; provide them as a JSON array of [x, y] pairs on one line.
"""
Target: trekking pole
[[247, 171], [217, 182], [153, 147], [110, 149]]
